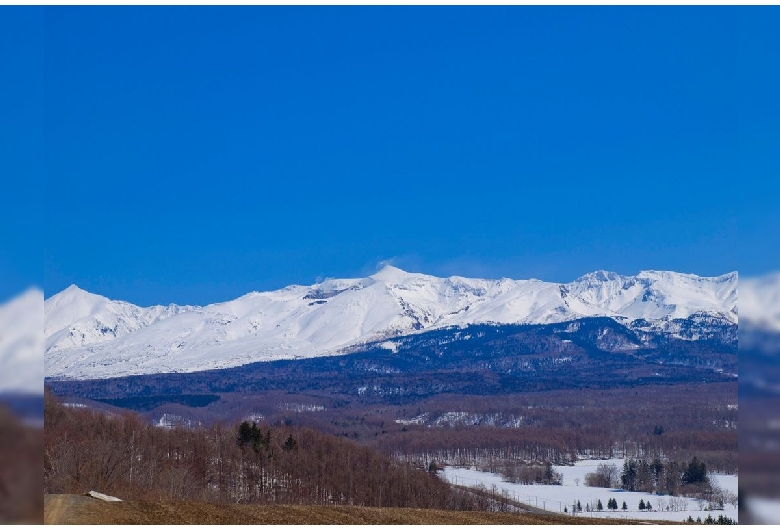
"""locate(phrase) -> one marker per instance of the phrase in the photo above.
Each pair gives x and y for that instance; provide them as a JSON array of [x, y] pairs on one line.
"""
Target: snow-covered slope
[[88, 336], [76, 318], [21, 343]]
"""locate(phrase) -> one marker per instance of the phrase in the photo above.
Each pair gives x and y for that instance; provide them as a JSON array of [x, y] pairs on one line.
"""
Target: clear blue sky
[[21, 149], [195, 154]]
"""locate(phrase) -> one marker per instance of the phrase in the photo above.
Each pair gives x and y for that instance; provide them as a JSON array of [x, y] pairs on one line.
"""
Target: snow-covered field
[[572, 489]]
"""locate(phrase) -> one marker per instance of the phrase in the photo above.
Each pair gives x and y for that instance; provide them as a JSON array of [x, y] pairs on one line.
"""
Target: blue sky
[[195, 154], [21, 149]]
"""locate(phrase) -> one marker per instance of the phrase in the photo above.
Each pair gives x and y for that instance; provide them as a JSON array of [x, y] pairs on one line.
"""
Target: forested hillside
[[127, 457]]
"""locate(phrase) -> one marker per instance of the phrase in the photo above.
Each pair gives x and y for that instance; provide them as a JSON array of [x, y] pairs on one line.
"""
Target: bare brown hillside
[[79, 509], [92, 450]]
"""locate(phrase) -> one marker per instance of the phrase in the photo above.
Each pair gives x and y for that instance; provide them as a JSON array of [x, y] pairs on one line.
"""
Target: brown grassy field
[[79, 509]]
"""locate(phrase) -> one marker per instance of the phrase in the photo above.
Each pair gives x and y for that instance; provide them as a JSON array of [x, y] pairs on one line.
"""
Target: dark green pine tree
[[628, 476], [641, 504], [696, 472], [290, 444], [599, 506], [625, 506], [244, 434]]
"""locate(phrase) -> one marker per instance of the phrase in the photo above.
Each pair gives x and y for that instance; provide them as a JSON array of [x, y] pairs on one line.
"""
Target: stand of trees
[[664, 477], [605, 476], [528, 474], [673, 478], [125, 456]]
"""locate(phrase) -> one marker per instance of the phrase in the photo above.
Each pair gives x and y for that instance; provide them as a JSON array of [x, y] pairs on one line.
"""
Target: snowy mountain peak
[[598, 276], [74, 292], [389, 273], [73, 288], [91, 336]]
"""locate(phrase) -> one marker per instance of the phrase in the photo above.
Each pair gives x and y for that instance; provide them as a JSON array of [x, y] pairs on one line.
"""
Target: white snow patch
[[389, 345], [103, 497], [301, 407]]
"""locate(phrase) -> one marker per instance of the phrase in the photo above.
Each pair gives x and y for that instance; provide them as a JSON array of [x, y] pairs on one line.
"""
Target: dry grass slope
[[78, 509]]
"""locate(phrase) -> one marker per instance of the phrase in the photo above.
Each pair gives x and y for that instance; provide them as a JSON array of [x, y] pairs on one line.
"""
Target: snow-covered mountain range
[[90, 336]]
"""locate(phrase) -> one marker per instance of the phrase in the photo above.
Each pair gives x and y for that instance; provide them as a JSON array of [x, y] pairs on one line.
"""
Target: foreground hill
[[89, 336], [121, 454], [79, 509]]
